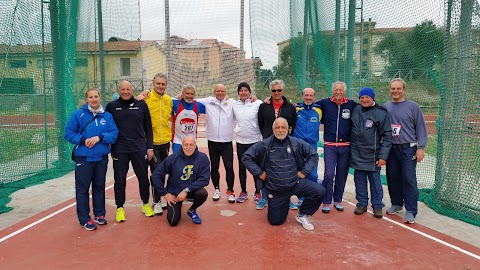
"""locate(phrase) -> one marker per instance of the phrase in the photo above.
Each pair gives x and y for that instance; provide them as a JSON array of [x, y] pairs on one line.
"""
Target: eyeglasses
[[277, 90]]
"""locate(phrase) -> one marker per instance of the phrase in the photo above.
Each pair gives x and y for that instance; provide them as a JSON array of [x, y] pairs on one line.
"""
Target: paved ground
[[33, 200], [233, 236]]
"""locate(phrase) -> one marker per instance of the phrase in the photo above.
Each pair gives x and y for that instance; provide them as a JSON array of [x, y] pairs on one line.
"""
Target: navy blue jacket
[[134, 125], [336, 119], [371, 137], [308, 123], [103, 126], [255, 159], [192, 172]]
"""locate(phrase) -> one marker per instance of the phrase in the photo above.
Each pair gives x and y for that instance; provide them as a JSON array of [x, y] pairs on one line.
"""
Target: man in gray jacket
[[284, 162], [370, 143]]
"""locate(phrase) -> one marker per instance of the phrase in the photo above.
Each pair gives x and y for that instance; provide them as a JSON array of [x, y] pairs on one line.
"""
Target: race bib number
[[187, 125], [396, 130]]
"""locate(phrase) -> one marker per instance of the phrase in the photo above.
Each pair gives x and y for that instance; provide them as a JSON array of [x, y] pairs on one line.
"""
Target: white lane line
[[47, 217], [427, 236]]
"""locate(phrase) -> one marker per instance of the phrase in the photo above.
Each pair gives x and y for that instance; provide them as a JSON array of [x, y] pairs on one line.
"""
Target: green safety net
[[433, 45], [51, 53]]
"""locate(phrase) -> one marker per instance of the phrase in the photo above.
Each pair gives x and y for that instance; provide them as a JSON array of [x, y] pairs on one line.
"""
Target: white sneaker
[[305, 221], [157, 209], [231, 198], [163, 204], [216, 195]]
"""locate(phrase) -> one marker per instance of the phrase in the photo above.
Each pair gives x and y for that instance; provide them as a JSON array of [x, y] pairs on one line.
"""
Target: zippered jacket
[[134, 125], [266, 116], [371, 137], [256, 157], [308, 123], [336, 119], [160, 107], [103, 126]]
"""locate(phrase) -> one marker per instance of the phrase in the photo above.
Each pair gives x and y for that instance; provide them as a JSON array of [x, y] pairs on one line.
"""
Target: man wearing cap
[[409, 137], [370, 143]]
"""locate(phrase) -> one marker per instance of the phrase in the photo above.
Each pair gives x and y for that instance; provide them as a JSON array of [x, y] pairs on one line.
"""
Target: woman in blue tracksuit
[[92, 131]]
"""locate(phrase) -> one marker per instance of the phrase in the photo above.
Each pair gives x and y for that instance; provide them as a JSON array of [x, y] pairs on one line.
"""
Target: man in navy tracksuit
[[189, 173], [134, 143], [284, 162], [337, 127]]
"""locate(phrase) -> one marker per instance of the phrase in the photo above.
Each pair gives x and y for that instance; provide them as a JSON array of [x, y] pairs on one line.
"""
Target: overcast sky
[[270, 20]]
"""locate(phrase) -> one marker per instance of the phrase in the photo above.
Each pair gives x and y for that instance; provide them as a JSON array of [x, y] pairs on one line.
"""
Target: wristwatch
[[186, 190]]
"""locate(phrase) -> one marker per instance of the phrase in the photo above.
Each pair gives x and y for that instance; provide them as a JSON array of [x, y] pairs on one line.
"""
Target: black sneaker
[[360, 209], [377, 212]]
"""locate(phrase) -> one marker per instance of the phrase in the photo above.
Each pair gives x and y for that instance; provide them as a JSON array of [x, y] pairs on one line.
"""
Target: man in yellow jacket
[[160, 106]]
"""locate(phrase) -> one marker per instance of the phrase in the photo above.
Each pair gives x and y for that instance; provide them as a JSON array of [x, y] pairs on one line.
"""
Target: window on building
[[46, 63], [81, 62], [17, 63], [364, 52], [205, 59], [125, 66], [364, 63], [365, 41]]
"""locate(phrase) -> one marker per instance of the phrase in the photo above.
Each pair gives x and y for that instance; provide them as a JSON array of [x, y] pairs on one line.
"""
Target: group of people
[[276, 141]]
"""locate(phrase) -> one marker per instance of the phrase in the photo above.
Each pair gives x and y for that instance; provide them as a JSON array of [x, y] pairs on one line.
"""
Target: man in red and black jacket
[[278, 106]]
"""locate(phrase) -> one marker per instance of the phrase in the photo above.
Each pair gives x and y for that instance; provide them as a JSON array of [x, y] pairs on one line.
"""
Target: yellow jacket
[[160, 107]]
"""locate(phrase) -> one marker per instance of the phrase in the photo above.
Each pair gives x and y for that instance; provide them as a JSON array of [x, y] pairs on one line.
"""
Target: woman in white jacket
[[247, 134]]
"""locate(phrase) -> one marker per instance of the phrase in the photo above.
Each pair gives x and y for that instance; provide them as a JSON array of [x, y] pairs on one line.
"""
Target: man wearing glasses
[[278, 106]]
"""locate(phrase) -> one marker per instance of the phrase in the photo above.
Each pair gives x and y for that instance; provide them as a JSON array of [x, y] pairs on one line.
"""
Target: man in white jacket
[[220, 124]]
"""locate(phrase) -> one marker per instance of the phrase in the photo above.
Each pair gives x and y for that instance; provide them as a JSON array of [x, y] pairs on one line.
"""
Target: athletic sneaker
[[261, 204], [326, 208], [360, 209], [157, 208], [377, 212], [195, 218], [338, 206], [90, 226], [100, 220], [163, 204], [257, 197], [409, 218], [120, 216], [242, 197], [300, 201], [147, 210], [230, 196], [216, 195], [292, 206], [394, 209], [305, 221]]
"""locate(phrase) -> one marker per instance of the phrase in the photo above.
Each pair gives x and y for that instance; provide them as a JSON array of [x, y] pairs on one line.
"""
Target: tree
[[412, 52], [319, 59]]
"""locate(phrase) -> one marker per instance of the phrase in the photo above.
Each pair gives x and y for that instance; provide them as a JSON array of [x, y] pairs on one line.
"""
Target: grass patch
[[18, 143], [432, 144]]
